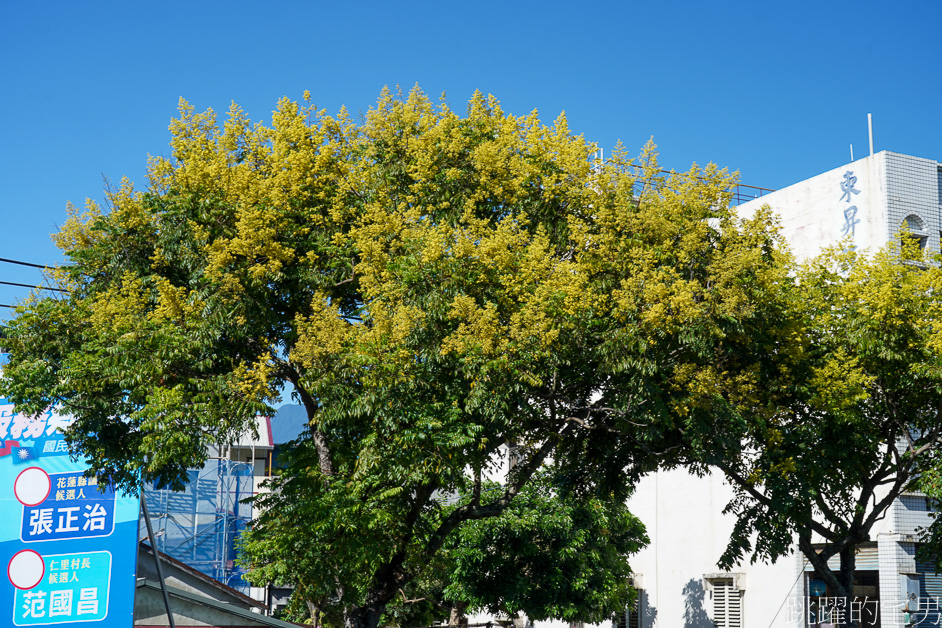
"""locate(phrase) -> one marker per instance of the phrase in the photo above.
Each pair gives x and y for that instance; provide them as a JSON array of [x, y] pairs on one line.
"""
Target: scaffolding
[[200, 525]]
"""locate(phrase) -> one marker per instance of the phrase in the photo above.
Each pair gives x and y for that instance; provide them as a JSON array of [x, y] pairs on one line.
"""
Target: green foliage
[[857, 414], [548, 555], [431, 286]]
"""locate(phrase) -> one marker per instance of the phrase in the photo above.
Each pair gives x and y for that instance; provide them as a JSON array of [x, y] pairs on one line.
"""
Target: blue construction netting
[[199, 526]]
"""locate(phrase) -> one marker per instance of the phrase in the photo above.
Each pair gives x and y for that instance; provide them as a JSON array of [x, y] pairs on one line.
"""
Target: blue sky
[[776, 91]]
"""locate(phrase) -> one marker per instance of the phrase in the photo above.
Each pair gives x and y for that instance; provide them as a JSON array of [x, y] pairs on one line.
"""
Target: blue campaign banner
[[69, 546], [76, 589], [74, 509]]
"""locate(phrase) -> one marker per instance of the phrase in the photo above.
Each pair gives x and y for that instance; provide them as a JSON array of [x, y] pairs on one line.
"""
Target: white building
[[868, 201]]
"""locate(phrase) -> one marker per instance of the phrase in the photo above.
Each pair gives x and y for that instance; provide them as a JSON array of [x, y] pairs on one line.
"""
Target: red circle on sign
[[32, 486], [23, 569]]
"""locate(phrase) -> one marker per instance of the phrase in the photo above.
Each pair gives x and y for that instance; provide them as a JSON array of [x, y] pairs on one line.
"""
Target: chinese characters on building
[[850, 211]]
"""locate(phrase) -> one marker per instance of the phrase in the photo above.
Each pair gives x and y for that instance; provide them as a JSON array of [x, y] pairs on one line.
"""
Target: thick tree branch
[[310, 406], [518, 479], [770, 503]]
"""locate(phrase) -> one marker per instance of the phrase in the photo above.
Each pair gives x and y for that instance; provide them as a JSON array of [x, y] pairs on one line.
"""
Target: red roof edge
[[271, 438]]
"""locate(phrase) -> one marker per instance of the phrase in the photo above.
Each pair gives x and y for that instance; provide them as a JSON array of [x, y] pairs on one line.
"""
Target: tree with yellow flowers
[[431, 287], [855, 419]]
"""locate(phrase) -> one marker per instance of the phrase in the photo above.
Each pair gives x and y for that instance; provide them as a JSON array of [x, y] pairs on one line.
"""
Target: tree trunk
[[366, 616], [314, 612], [457, 616], [840, 581], [385, 585], [845, 578]]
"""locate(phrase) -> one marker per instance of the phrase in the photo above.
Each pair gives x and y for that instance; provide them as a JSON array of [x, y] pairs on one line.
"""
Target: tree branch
[[311, 406], [518, 479], [768, 502]]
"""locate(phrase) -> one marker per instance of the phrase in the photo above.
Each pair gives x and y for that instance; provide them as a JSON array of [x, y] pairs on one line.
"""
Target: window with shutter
[[634, 617], [620, 620], [631, 617], [727, 604]]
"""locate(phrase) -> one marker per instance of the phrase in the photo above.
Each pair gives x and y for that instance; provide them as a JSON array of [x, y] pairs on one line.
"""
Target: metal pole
[[153, 546], [870, 130]]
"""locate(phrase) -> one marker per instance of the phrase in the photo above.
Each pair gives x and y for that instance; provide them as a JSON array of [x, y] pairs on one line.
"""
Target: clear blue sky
[[776, 90]]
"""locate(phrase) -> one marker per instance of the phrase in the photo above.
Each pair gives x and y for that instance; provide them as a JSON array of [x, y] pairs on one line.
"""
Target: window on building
[[631, 618], [727, 603], [914, 227], [634, 613], [621, 620]]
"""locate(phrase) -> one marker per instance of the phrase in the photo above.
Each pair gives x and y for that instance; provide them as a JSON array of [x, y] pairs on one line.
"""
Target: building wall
[[688, 533], [912, 188], [866, 201], [200, 524], [847, 202]]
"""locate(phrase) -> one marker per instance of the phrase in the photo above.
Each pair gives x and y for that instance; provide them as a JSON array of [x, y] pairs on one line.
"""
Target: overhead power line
[[26, 285], [13, 261]]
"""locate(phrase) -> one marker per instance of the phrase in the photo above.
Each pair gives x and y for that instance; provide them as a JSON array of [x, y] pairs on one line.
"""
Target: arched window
[[915, 227]]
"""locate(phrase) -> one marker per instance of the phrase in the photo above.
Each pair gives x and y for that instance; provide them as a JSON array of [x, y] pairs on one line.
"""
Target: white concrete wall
[[889, 186], [813, 212], [688, 533]]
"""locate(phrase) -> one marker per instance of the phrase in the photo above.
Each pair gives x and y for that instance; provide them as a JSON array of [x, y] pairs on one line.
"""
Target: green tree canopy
[[858, 416], [547, 555], [430, 286]]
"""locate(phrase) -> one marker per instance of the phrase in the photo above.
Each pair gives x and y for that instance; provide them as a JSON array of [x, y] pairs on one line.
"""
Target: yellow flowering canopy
[[432, 286], [484, 267]]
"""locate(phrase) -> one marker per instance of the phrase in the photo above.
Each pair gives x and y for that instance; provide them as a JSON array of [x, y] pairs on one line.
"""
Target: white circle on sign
[[26, 569], [32, 486]]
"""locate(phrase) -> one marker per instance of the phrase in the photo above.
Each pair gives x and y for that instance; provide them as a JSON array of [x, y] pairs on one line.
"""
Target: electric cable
[[26, 285], [801, 572], [23, 285], [13, 261]]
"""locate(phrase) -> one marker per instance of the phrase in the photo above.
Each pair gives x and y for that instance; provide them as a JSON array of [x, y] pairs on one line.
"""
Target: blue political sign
[[74, 509], [76, 589], [69, 545]]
